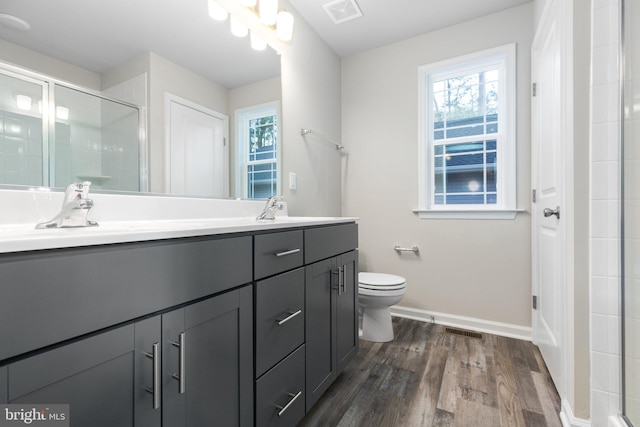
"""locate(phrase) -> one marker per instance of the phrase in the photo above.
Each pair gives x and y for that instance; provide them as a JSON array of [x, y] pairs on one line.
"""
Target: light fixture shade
[[284, 26], [248, 3], [216, 11], [238, 29], [268, 11], [257, 42]]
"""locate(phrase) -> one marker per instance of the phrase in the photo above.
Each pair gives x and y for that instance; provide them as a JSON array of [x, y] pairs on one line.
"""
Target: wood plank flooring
[[427, 377]]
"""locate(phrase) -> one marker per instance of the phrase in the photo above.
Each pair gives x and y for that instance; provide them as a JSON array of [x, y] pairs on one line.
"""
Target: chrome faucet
[[75, 208], [269, 211]]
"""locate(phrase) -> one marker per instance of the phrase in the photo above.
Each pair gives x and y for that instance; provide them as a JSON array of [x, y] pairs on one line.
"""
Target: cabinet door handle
[[180, 376], [344, 279], [291, 315], [157, 372], [341, 280], [285, 407], [285, 253]]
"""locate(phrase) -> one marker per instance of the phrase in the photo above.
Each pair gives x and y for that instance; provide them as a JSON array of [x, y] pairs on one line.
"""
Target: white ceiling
[[388, 21], [101, 34]]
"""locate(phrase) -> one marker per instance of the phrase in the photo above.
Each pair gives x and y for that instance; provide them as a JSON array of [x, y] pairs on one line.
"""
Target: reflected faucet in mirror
[[270, 209], [75, 207]]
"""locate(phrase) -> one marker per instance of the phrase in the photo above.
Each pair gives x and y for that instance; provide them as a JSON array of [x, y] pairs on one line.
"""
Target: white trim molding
[[468, 213], [568, 419], [454, 320]]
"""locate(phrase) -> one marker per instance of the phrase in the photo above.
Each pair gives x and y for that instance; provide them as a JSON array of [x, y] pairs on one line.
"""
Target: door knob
[[548, 212]]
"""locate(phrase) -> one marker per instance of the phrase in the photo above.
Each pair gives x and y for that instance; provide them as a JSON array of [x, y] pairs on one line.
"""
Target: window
[[467, 136], [258, 151]]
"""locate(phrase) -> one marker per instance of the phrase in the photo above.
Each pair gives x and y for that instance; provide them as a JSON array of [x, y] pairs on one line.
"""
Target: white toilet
[[377, 293]]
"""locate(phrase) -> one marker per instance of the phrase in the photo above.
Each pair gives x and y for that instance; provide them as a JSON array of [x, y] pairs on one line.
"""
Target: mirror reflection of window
[[258, 155]]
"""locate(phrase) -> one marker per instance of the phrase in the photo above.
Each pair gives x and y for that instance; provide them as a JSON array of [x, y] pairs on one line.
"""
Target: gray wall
[[311, 99], [473, 268]]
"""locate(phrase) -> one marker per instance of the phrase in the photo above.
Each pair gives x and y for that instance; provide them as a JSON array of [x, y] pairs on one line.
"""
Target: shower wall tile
[[605, 213]]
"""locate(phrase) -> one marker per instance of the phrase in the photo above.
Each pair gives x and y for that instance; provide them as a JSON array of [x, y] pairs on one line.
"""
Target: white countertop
[[24, 237], [126, 218]]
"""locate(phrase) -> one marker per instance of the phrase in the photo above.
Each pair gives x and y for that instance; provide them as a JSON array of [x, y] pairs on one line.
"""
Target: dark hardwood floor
[[428, 377]]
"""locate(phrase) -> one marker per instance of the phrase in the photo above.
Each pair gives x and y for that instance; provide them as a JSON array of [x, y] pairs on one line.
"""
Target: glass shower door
[[23, 158]]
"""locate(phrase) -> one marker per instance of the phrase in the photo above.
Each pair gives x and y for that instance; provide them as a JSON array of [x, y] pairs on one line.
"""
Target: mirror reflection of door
[[197, 150]]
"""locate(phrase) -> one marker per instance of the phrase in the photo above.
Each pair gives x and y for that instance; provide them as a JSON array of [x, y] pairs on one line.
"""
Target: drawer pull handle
[[291, 315], [155, 388], [285, 253], [293, 399], [180, 376]]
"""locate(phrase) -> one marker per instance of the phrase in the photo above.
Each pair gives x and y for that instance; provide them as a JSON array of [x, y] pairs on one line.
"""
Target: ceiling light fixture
[[267, 23], [284, 26], [257, 42], [268, 11], [238, 29], [217, 12]]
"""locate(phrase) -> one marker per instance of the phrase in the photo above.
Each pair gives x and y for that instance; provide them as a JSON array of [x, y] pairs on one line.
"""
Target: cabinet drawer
[[279, 318], [277, 252], [55, 365], [280, 393], [51, 296], [324, 242]]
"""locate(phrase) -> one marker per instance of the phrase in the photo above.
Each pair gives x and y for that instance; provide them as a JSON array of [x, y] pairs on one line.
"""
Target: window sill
[[467, 213]]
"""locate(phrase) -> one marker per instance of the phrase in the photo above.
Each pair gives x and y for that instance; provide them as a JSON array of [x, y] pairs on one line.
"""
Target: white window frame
[[505, 58], [242, 118]]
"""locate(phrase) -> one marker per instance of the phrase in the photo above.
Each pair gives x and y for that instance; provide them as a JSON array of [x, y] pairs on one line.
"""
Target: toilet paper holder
[[413, 249]]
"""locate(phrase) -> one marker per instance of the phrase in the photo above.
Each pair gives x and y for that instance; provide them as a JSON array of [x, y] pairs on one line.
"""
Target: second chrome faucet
[[272, 206]]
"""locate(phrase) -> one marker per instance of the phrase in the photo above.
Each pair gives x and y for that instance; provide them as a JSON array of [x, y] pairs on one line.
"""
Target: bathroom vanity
[[238, 325]]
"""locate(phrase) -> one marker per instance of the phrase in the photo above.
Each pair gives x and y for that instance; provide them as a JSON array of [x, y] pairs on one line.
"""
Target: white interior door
[[549, 163], [198, 153]]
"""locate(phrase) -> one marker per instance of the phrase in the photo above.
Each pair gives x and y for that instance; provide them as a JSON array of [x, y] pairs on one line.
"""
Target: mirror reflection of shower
[[631, 214]]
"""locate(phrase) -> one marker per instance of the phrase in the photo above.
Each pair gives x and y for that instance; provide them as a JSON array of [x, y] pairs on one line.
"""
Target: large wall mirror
[[103, 80]]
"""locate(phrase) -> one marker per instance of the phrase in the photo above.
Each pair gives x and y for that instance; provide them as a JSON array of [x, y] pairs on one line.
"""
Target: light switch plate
[[293, 181]]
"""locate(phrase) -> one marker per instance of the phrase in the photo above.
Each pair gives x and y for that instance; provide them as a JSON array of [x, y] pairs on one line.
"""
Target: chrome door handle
[[180, 376], [293, 399], [157, 372], [289, 317], [285, 253], [548, 212]]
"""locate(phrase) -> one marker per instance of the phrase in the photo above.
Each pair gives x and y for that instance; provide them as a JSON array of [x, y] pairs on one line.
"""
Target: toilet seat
[[380, 282]]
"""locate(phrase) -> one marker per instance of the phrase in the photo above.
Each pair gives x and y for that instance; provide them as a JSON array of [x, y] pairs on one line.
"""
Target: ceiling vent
[[342, 10]]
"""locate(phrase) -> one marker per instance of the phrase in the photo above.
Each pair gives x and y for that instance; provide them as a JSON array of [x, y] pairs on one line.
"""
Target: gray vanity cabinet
[[279, 329], [94, 376], [3, 385], [201, 357], [207, 362], [331, 301]]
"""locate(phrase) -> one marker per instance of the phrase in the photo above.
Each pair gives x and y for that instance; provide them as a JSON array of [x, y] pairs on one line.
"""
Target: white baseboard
[[480, 325], [568, 419]]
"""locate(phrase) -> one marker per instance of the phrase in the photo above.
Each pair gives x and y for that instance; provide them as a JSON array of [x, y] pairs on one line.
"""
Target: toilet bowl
[[377, 292]]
